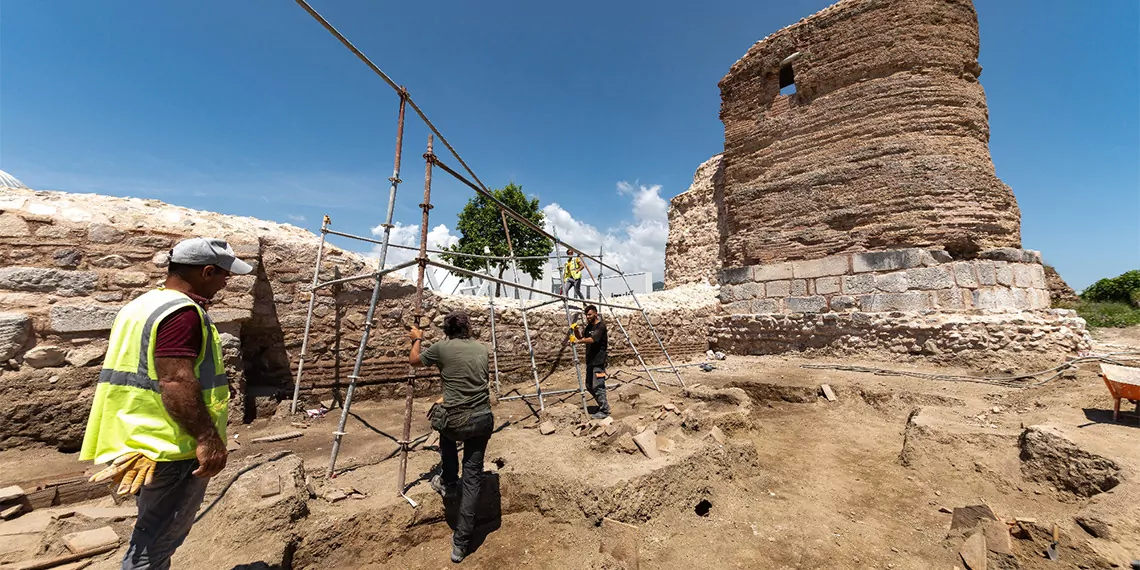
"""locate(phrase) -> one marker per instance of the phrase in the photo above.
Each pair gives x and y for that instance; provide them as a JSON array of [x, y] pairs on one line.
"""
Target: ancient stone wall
[[994, 340], [68, 262], [883, 145], [893, 280], [692, 252]]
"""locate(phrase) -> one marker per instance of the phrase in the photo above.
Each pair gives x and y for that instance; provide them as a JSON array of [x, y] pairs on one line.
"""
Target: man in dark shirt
[[462, 363], [596, 341]]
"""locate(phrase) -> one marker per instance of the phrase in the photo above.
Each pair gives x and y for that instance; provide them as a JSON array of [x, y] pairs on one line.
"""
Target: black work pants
[[596, 385], [474, 433]]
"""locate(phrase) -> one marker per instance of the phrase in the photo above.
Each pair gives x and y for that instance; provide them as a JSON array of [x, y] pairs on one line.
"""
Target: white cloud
[[632, 246], [439, 237], [296, 218]]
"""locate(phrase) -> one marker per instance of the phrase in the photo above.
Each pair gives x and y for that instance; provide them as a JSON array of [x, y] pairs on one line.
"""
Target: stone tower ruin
[[855, 180]]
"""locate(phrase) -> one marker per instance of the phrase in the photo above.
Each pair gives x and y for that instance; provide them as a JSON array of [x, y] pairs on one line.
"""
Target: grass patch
[[1114, 315]]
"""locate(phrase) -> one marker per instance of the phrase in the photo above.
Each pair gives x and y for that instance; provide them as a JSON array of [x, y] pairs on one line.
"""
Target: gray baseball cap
[[209, 251]]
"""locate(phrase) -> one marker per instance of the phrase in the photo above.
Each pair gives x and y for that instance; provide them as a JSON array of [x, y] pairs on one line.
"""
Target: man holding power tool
[[596, 339]]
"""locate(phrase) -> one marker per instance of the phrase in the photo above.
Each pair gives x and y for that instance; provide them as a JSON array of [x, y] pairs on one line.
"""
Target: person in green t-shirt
[[462, 363]]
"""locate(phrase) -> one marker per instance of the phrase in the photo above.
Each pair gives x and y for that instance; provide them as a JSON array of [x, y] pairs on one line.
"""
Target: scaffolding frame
[[422, 261]]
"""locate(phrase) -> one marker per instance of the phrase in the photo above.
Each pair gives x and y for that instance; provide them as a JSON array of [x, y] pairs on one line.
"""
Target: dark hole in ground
[[500, 462], [703, 508]]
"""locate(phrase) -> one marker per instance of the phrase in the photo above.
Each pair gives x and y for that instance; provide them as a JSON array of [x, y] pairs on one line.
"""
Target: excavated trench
[[525, 507]]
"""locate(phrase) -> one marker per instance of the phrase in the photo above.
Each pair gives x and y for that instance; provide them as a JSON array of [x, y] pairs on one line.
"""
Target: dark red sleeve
[[180, 335]]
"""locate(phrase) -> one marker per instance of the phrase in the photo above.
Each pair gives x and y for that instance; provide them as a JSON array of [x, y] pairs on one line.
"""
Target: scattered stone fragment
[[973, 551], [717, 434], [546, 428], [968, 517], [12, 493], [107, 513], [997, 537], [671, 407], [335, 495], [91, 539], [270, 485], [606, 420], [611, 429], [620, 541], [828, 392], [646, 441], [579, 430], [11, 512], [944, 510], [664, 444]]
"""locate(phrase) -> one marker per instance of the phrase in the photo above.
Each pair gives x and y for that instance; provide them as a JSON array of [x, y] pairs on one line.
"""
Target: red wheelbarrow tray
[[1123, 383]]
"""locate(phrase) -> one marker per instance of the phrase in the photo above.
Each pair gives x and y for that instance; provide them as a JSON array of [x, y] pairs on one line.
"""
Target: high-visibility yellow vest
[[128, 414], [574, 268]]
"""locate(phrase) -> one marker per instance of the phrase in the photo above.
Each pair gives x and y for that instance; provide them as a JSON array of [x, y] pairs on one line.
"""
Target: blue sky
[[601, 109]]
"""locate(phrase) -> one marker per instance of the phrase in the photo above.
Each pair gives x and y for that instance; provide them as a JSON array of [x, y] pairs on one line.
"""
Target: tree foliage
[[481, 226], [1117, 289]]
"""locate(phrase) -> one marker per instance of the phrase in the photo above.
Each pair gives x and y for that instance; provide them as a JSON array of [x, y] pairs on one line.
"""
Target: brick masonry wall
[[882, 281], [68, 262]]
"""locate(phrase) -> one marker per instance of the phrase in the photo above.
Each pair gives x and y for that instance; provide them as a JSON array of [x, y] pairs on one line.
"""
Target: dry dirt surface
[[761, 471]]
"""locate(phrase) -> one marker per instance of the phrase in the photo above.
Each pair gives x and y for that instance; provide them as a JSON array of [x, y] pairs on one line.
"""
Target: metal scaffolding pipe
[[436, 251], [421, 260], [522, 303], [460, 270], [573, 347], [380, 273], [517, 216], [653, 331], [367, 331], [309, 318], [544, 394]]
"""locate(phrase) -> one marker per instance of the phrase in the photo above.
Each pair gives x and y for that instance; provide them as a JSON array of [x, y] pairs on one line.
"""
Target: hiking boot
[[458, 553], [445, 491], [600, 415]]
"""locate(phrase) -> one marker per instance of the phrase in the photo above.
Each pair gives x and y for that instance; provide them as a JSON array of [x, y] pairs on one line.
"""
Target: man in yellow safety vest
[[572, 274], [162, 399]]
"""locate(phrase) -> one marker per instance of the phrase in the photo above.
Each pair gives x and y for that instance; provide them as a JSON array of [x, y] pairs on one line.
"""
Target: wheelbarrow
[[1123, 383]]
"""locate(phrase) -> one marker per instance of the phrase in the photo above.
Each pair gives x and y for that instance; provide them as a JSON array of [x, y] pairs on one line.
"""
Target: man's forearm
[[182, 397]]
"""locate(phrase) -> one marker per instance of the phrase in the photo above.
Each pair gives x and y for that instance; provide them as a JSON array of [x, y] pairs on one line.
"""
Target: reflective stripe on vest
[[574, 268], [128, 413]]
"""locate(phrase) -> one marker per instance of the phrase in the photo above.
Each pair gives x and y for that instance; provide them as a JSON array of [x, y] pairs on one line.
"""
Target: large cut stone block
[[928, 278], [772, 271], [15, 330], [964, 274], [993, 298], [13, 226], [856, 284], [825, 267], [892, 282], [1022, 275], [813, 304], [884, 302], [88, 317], [886, 260], [45, 280], [766, 306], [778, 288], [736, 275], [827, 285]]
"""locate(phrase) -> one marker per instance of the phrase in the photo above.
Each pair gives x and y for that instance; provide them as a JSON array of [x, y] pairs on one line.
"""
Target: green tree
[[481, 227]]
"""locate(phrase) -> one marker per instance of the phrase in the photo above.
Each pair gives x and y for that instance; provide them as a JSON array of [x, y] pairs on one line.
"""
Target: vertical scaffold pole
[[569, 321], [395, 180], [522, 309], [422, 260], [309, 317], [494, 339], [652, 330]]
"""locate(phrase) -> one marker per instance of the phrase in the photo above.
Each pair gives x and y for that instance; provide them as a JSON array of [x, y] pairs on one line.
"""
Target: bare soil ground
[[799, 482]]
